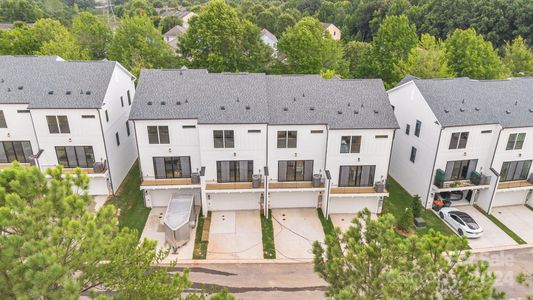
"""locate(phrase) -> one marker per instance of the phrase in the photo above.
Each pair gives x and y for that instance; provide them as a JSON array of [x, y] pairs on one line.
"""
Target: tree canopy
[[92, 34], [518, 57], [428, 59]]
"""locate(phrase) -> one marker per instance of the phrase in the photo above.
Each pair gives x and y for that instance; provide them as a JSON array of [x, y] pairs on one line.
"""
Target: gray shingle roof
[[273, 99], [175, 31], [464, 101], [31, 79]]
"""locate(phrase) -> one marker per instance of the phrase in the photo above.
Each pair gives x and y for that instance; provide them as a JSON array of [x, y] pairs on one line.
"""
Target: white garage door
[[233, 201], [160, 198], [350, 205], [509, 198], [293, 199]]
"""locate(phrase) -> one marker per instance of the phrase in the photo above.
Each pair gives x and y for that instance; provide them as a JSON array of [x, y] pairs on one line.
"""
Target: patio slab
[[153, 230], [295, 230], [344, 221], [235, 235], [517, 218]]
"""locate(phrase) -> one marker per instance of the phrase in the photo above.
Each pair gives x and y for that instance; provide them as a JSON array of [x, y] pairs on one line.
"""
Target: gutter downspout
[[388, 165], [494, 171], [36, 141], [433, 168], [266, 200], [105, 150], [327, 173]]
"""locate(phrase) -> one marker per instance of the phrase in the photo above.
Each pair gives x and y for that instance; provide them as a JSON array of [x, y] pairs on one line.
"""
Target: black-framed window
[[117, 138], [235, 170], [58, 124], [75, 156], [121, 101], [516, 141], [458, 140], [351, 144], [407, 129], [295, 170], [418, 126], [357, 175], [287, 139], [515, 170], [172, 167], [15, 150], [412, 157], [3, 123], [459, 169], [224, 138], [129, 97], [158, 135], [106, 116], [128, 128]]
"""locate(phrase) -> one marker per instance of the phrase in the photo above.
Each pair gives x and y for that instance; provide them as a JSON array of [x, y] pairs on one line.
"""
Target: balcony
[[515, 184], [8, 165], [87, 171], [294, 185], [233, 186], [167, 181], [355, 190], [474, 181]]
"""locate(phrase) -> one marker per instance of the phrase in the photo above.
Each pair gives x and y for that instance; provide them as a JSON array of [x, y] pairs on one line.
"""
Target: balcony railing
[[167, 181], [8, 165], [475, 178], [514, 184], [293, 185], [232, 186]]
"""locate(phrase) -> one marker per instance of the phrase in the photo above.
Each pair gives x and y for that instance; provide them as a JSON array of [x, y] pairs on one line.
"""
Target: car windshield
[[467, 219]]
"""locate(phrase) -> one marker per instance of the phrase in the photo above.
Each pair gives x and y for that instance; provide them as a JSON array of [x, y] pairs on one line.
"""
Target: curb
[[236, 261], [501, 248]]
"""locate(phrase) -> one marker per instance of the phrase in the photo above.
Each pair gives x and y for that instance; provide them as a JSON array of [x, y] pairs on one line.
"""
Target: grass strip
[[200, 245], [269, 249]]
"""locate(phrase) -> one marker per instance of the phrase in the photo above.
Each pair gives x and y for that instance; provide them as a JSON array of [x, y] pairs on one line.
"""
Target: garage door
[[160, 198], [350, 205], [509, 198], [293, 199], [233, 201]]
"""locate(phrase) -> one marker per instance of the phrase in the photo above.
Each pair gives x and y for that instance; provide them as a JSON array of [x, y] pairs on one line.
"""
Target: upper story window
[[287, 139], [351, 144], [75, 156], [412, 158], [458, 140], [121, 101], [172, 167], [407, 129], [295, 170], [117, 138], [418, 126], [235, 171], [356, 175], [459, 169], [223, 138], [15, 150], [158, 135], [516, 141], [128, 128], [106, 116], [515, 170], [3, 123], [58, 124], [129, 97]]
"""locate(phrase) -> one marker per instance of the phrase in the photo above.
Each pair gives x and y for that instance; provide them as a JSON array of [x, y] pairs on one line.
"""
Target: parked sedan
[[452, 196], [462, 222]]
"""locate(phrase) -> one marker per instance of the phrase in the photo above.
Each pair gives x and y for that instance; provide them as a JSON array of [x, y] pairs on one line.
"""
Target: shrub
[[417, 206], [406, 220]]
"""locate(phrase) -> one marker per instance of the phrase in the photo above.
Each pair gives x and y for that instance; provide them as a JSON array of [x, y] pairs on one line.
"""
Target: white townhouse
[[69, 113], [470, 137], [253, 141]]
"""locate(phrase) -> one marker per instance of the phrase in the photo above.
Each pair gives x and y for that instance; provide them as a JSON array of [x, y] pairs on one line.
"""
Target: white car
[[462, 222]]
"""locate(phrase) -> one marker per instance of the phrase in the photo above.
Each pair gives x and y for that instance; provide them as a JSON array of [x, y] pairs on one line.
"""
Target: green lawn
[[129, 199], [200, 245], [269, 249], [399, 200]]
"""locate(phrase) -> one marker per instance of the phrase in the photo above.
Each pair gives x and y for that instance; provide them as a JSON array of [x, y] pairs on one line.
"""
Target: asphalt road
[[298, 281]]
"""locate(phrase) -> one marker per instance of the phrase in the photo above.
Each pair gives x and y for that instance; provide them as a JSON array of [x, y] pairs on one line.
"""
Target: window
[[87, 116], [188, 126], [459, 169], [223, 138], [317, 131], [350, 144], [254, 131], [413, 154], [515, 170], [287, 139], [384, 136], [172, 167], [295, 170], [417, 128], [128, 128], [3, 123], [58, 124], [118, 138], [516, 141], [23, 111], [129, 98], [407, 129], [486, 131], [15, 150], [122, 101], [75, 156], [158, 135], [235, 171], [458, 140], [106, 116], [356, 175]]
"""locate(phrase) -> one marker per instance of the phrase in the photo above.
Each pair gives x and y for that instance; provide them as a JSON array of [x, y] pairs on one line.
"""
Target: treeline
[[223, 39]]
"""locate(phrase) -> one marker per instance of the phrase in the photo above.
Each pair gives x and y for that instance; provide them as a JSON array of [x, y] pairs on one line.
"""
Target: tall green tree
[[92, 34], [54, 248], [356, 54], [469, 55], [19, 10], [376, 263], [219, 41], [428, 59], [310, 49], [18, 41], [138, 44], [518, 57]]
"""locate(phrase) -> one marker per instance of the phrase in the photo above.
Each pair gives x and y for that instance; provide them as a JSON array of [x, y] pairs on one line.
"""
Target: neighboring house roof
[[50, 82], [268, 34], [465, 101], [327, 25], [175, 31], [232, 98]]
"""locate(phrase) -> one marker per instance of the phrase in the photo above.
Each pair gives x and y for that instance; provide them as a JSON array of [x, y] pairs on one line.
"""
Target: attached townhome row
[[465, 139], [255, 141], [69, 113]]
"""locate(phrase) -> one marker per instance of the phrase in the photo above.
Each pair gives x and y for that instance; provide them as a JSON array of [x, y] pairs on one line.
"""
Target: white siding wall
[[19, 125]]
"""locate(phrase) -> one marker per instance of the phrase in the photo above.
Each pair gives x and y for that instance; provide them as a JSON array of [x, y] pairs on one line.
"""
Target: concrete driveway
[[517, 218], [235, 235], [295, 230], [492, 236], [344, 221]]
